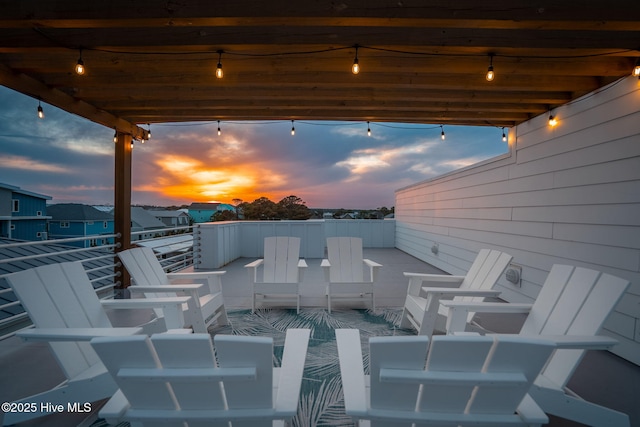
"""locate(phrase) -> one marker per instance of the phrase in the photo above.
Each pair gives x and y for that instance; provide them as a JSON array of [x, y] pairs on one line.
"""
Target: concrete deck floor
[[602, 377]]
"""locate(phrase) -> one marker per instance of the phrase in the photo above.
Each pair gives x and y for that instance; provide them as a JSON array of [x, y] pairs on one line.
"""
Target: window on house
[[15, 205], [64, 224]]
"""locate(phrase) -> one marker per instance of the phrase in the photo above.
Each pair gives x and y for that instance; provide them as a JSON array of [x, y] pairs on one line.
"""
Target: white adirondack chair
[[176, 379], [206, 304], [344, 271], [468, 380], [571, 307], [67, 313], [282, 271], [422, 309]]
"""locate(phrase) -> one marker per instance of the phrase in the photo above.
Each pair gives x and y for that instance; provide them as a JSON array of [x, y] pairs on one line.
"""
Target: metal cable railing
[[99, 263]]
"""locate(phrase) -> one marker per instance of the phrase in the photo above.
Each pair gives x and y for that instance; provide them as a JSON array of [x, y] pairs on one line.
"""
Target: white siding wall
[[568, 195]]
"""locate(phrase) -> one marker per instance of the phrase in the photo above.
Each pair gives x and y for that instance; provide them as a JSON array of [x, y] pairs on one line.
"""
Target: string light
[[219, 72], [219, 131], [552, 120], [442, 133], [115, 135], [132, 143], [355, 68], [80, 65], [368, 129], [504, 136], [40, 111], [293, 129], [636, 69], [149, 134], [490, 74]]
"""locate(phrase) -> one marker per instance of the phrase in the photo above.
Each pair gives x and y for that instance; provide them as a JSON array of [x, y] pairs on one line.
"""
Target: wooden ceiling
[[421, 61]]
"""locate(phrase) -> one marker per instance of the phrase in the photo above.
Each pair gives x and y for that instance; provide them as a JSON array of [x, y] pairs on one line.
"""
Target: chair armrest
[[417, 279], [352, 371], [457, 292], [74, 334], [195, 274], [580, 342], [166, 288], [165, 302], [426, 277], [253, 272], [458, 310], [290, 379], [373, 268]]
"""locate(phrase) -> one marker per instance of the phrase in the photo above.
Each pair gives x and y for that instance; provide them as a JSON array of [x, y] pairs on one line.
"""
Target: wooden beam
[[122, 199], [38, 90]]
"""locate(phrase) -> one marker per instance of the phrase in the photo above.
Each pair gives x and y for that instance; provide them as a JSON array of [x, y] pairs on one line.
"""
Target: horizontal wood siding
[[569, 194]]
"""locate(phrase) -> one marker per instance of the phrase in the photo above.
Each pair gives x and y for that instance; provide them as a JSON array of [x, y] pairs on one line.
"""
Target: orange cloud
[[189, 179]]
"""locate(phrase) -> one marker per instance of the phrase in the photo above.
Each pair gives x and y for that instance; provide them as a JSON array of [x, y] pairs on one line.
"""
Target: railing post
[[122, 203]]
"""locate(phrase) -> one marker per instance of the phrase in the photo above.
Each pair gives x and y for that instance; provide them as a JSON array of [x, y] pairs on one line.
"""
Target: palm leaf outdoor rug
[[321, 400]]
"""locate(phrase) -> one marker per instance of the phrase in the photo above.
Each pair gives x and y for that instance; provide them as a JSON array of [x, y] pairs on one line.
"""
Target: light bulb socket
[[355, 68]]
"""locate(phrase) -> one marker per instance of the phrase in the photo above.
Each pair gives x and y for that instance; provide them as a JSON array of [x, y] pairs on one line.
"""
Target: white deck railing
[[215, 244]]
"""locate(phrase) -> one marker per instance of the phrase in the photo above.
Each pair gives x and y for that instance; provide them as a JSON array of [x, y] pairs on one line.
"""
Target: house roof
[[167, 213], [154, 61], [19, 190], [203, 206], [145, 219], [76, 212]]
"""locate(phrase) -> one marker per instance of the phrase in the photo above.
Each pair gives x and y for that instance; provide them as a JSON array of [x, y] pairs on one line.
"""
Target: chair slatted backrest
[[61, 296], [281, 255], [345, 257], [484, 272], [144, 267], [464, 375], [178, 372], [572, 301]]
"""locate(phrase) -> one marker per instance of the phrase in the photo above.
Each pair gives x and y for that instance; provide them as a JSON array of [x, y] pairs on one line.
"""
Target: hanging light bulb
[[490, 74], [552, 120], [355, 68], [132, 143], [368, 129], [636, 69], [40, 111], [219, 131], [442, 133], [80, 65], [504, 136], [219, 73], [293, 129], [149, 134], [115, 135]]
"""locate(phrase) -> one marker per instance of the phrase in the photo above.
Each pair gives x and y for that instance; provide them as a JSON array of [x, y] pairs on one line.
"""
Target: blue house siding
[[23, 215]]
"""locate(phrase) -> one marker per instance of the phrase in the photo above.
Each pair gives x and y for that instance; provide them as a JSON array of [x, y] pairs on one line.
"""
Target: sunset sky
[[327, 164]]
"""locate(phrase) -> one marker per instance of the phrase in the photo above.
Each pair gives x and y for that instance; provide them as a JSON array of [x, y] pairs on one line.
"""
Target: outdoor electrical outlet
[[514, 274]]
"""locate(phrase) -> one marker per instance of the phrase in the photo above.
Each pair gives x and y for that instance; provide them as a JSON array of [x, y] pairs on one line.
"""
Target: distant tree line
[[289, 208]]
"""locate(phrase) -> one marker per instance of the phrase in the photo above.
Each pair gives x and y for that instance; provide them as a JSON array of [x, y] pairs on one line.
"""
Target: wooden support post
[[122, 202]]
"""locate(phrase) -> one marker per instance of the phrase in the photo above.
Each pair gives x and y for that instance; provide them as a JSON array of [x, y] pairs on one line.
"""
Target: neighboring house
[[77, 220], [143, 220], [178, 218], [23, 214], [201, 212]]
